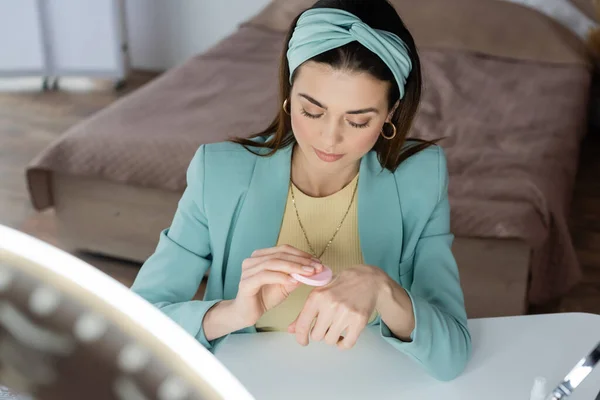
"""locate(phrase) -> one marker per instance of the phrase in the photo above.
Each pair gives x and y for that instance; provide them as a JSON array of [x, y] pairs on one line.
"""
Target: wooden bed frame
[[123, 221]]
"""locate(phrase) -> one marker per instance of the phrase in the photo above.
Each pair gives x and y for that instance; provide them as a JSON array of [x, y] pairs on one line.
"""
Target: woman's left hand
[[342, 307]]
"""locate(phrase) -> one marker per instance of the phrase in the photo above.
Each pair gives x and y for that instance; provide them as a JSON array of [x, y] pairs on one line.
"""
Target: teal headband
[[322, 29]]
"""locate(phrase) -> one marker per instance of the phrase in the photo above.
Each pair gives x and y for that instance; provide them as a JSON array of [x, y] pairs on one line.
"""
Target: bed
[[511, 105]]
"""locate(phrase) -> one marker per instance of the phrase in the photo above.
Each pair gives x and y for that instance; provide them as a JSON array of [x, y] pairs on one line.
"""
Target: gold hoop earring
[[393, 135], [285, 103]]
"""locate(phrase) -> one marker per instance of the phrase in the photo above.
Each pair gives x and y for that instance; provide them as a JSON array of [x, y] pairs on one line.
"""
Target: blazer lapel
[[379, 216], [260, 218]]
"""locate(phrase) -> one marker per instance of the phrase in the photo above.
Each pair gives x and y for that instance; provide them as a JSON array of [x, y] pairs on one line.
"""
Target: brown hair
[[379, 14]]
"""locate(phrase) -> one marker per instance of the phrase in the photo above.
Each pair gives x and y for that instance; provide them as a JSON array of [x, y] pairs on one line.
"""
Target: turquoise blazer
[[234, 204]]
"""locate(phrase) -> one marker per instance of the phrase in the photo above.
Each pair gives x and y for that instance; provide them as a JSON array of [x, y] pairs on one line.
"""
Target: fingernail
[[308, 269], [316, 260], [317, 265], [293, 280]]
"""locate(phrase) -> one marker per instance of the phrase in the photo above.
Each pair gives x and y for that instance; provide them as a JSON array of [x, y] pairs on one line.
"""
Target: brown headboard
[[587, 7], [469, 25]]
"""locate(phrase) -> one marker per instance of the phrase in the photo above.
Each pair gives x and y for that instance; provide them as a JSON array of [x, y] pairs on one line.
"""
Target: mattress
[[512, 115]]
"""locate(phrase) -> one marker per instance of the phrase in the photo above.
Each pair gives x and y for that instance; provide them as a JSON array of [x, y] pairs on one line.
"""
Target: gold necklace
[[312, 250]]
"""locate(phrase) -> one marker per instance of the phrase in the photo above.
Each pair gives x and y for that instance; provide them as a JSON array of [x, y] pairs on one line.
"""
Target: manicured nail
[[308, 269], [316, 260], [318, 265]]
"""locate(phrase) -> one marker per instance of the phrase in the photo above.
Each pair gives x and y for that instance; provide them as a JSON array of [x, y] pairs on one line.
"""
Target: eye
[[355, 125], [312, 116]]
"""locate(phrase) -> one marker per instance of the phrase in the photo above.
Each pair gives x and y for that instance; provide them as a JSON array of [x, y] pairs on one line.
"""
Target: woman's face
[[337, 115]]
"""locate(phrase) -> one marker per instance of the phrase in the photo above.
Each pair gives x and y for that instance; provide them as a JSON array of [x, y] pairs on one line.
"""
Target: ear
[[393, 111]]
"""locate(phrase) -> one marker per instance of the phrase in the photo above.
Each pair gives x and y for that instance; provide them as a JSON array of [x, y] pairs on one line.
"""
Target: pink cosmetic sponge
[[320, 279]]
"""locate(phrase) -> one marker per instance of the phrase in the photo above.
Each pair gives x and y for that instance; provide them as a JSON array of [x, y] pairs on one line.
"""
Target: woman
[[331, 182]]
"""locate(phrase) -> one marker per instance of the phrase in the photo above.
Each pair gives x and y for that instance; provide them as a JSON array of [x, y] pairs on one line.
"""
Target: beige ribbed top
[[320, 217]]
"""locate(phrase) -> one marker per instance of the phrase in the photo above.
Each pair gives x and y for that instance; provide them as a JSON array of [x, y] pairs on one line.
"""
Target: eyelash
[[352, 124], [311, 116], [361, 126]]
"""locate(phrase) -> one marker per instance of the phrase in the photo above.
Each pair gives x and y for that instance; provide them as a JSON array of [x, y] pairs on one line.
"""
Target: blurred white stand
[[63, 38], [508, 354]]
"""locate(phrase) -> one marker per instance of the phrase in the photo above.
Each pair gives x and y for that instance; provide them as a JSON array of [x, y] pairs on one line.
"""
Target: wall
[[25, 54], [165, 33], [64, 37]]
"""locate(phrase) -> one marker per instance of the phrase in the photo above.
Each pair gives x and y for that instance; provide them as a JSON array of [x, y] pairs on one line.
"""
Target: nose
[[331, 133]]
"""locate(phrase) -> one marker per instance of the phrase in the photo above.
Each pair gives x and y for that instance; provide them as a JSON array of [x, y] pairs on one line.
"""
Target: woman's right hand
[[266, 280]]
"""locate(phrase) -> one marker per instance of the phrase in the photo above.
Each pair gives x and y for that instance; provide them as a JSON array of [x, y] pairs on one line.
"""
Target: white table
[[508, 354]]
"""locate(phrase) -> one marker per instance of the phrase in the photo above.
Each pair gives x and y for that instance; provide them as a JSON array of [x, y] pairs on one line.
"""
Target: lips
[[327, 157]]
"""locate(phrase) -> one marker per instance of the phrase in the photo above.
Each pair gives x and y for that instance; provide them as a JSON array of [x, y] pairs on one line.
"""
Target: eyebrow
[[361, 111]]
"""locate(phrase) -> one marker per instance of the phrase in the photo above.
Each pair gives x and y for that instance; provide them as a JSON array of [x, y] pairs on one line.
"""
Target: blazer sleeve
[[441, 341], [170, 277]]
